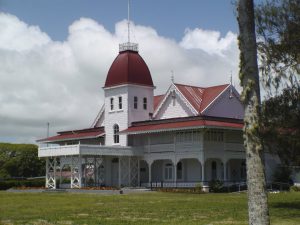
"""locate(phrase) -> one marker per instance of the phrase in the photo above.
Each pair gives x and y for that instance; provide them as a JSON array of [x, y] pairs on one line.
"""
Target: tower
[[128, 93]]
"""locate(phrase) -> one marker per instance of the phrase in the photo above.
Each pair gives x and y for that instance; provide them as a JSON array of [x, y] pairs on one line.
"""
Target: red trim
[[183, 124], [75, 134]]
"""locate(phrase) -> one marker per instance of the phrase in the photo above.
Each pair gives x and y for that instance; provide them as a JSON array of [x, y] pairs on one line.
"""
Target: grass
[[142, 208]]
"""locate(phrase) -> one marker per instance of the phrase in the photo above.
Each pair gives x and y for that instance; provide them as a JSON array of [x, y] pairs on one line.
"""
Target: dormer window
[[145, 103], [116, 133], [135, 102], [120, 102], [111, 104]]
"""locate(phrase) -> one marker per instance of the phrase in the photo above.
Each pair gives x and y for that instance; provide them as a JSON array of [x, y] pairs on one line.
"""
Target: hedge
[[4, 185]]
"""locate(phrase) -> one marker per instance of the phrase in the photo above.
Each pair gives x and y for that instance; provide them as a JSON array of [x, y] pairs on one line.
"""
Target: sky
[[54, 55]]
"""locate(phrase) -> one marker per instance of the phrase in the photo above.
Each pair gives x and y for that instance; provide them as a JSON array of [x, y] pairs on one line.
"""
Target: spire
[[128, 20], [231, 87], [128, 46], [172, 76]]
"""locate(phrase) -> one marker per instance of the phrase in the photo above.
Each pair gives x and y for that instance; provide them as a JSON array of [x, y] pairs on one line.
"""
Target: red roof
[[128, 68], [75, 134], [156, 100], [178, 125], [200, 97]]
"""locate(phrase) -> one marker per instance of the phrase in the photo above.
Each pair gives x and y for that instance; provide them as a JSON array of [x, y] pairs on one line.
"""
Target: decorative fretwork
[[134, 170], [100, 170], [76, 172], [51, 173]]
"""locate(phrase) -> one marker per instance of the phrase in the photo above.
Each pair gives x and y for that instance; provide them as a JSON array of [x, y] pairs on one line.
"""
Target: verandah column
[[225, 170]]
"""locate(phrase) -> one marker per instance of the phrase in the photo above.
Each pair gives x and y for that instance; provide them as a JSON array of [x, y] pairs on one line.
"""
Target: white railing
[[234, 146], [65, 150], [128, 46]]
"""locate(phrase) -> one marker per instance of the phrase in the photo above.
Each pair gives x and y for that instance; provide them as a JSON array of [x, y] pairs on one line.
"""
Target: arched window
[[116, 133]]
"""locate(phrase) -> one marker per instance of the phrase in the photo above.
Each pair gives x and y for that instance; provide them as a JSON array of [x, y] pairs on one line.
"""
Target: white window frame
[[168, 171]]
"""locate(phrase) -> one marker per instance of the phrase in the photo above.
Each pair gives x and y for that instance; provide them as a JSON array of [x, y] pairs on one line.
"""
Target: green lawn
[[143, 208]]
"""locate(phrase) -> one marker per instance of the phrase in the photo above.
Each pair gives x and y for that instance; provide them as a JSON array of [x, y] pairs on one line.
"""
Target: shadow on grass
[[287, 205]]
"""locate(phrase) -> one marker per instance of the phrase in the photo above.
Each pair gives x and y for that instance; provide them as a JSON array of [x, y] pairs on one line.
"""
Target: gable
[[99, 120], [226, 105], [173, 107]]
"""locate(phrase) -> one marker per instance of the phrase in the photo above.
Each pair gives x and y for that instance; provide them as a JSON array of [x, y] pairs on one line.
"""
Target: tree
[[257, 196], [278, 31], [281, 126], [20, 160]]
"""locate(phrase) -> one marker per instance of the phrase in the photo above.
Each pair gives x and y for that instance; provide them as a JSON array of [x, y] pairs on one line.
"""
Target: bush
[[4, 185], [294, 188], [216, 186]]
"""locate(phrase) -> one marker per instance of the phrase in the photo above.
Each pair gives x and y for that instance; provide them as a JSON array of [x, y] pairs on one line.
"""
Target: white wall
[[226, 107], [116, 116], [171, 110]]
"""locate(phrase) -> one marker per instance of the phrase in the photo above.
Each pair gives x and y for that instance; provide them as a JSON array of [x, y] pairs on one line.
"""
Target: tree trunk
[[257, 195]]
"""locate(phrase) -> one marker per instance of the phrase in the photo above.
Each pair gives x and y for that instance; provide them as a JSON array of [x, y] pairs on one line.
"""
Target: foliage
[[143, 208], [278, 32], [281, 125], [20, 160], [4, 185], [295, 188], [216, 186]]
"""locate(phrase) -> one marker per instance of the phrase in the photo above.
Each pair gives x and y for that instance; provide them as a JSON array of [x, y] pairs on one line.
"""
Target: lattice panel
[[51, 173], [134, 170], [76, 172]]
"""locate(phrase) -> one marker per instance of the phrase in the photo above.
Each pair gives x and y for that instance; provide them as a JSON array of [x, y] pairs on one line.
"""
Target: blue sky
[[170, 18]]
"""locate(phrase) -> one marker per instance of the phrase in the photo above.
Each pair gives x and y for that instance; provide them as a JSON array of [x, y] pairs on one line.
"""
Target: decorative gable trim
[[169, 92], [100, 114], [214, 100]]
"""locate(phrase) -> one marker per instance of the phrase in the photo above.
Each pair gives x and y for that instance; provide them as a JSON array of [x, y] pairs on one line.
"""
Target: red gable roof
[[128, 68], [200, 97], [165, 125], [156, 100], [75, 134]]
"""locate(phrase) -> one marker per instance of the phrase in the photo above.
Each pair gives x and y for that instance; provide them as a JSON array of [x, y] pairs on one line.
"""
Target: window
[[120, 102], [116, 133], [168, 171], [145, 103], [111, 104], [179, 170], [135, 102]]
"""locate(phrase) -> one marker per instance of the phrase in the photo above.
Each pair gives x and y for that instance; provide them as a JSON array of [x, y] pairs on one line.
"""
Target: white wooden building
[[188, 135]]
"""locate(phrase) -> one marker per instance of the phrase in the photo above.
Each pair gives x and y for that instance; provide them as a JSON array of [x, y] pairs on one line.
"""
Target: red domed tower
[[128, 93]]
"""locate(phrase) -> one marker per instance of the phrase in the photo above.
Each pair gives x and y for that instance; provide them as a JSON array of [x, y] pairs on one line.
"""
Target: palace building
[[187, 136]]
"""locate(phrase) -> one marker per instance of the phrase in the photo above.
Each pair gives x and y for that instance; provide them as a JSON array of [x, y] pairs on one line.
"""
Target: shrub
[[216, 186], [294, 188]]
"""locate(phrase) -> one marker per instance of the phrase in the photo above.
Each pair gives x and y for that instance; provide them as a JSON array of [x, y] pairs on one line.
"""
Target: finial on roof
[[231, 87], [128, 45], [172, 76]]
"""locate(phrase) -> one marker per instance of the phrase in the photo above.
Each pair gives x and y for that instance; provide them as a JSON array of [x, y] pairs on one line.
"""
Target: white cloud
[[61, 82]]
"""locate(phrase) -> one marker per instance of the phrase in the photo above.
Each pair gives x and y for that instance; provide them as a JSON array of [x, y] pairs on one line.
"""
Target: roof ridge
[[202, 87]]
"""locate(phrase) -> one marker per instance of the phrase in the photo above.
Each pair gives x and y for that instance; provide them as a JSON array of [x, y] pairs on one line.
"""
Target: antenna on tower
[[128, 46], [128, 20]]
